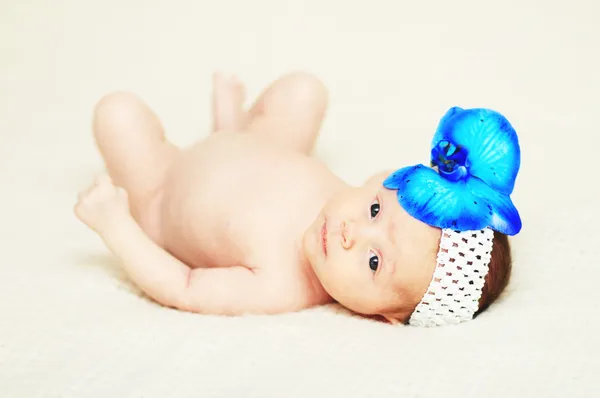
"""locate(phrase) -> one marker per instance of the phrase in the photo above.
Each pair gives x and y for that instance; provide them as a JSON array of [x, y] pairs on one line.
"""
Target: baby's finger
[[121, 193], [84, 193], [103, 179], [78, 211]]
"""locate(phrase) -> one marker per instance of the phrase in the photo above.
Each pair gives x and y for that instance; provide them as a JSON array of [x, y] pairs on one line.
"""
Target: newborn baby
[[246, 221]]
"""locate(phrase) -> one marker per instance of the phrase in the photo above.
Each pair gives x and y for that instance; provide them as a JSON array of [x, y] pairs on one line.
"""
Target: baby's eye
[[373, 262], [375, 208]]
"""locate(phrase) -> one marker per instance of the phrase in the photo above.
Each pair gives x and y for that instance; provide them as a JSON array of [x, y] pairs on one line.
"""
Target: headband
[[475, 159]]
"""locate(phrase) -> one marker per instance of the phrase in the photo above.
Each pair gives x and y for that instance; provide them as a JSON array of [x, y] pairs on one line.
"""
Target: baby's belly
[[227, 202]]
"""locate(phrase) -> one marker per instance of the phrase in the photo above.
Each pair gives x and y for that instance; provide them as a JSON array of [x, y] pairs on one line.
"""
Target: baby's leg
[[289, 112], [131, 140]]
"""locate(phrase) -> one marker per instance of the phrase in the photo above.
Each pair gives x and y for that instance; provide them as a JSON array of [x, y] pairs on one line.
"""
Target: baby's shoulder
[[293, 284]]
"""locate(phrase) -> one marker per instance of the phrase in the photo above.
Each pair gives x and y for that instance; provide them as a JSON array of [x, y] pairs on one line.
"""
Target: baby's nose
[[348, 234]]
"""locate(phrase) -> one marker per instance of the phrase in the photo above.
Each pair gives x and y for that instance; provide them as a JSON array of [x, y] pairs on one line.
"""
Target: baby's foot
[[228, 102]]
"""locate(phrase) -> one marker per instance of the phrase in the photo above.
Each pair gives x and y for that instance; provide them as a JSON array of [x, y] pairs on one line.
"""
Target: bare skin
[[246, 221]]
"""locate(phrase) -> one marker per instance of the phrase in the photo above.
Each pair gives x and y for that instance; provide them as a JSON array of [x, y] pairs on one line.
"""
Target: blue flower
[[477, 156]]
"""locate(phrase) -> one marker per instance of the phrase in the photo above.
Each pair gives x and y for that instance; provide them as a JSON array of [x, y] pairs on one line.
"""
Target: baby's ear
[[397, 316], [392, 318]]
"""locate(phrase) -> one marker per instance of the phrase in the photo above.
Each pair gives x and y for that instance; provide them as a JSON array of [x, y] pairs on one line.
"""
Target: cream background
[[72, 326]]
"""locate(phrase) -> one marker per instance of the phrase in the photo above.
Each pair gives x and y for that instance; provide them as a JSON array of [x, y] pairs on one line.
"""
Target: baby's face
[[369, 254]]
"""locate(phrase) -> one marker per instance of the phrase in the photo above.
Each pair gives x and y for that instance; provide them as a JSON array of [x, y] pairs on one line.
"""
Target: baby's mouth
[[324, 237]]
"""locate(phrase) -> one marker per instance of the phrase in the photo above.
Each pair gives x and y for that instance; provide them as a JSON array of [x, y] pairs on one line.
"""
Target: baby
[[246, 221]]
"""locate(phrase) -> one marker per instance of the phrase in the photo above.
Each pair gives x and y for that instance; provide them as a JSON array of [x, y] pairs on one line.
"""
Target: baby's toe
[[228, 99]]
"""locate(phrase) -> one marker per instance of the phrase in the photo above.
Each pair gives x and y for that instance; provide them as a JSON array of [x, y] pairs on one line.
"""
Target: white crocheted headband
[[455, 289]]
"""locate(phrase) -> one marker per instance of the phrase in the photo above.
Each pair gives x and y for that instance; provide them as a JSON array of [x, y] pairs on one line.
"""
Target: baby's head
[[426, 245], [377, 260]]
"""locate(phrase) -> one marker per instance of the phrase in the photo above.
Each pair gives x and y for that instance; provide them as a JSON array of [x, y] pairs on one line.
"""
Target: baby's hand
[[102, 205]]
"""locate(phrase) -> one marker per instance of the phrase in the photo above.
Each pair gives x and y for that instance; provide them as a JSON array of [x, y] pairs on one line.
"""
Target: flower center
[[451, 160]]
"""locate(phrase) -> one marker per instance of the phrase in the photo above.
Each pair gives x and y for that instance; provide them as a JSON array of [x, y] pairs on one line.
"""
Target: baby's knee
[[306, 87], [116, 105]]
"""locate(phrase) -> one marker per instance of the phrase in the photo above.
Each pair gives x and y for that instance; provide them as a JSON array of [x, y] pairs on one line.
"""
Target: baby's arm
[[231, 291]]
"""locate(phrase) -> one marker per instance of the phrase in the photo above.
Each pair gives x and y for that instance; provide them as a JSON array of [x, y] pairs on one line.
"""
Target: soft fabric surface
[[71, 325]]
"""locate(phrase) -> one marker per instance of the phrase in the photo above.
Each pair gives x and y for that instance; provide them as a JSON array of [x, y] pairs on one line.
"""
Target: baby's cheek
[[342, 203], [355, 289], [341, 282], [332, 277]]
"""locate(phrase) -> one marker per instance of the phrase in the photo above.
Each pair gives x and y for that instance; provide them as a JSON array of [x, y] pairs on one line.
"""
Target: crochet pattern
[[455, 289]]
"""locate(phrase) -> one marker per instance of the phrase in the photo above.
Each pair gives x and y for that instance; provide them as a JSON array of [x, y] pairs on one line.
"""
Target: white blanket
[[71, 325]]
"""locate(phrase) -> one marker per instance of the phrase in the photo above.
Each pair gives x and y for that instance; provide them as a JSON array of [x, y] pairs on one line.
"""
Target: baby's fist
[[102, 204]]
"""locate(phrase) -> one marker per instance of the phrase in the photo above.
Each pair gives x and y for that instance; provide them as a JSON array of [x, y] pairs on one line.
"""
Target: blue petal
[[432, 199], [461, 205], [492, 144], [502, 213], [439, 134]]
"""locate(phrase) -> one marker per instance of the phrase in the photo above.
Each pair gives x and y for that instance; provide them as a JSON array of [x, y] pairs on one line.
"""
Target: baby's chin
[[305, 246]]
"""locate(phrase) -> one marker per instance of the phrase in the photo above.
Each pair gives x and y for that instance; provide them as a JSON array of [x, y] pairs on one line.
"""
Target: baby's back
[[233, 199]]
